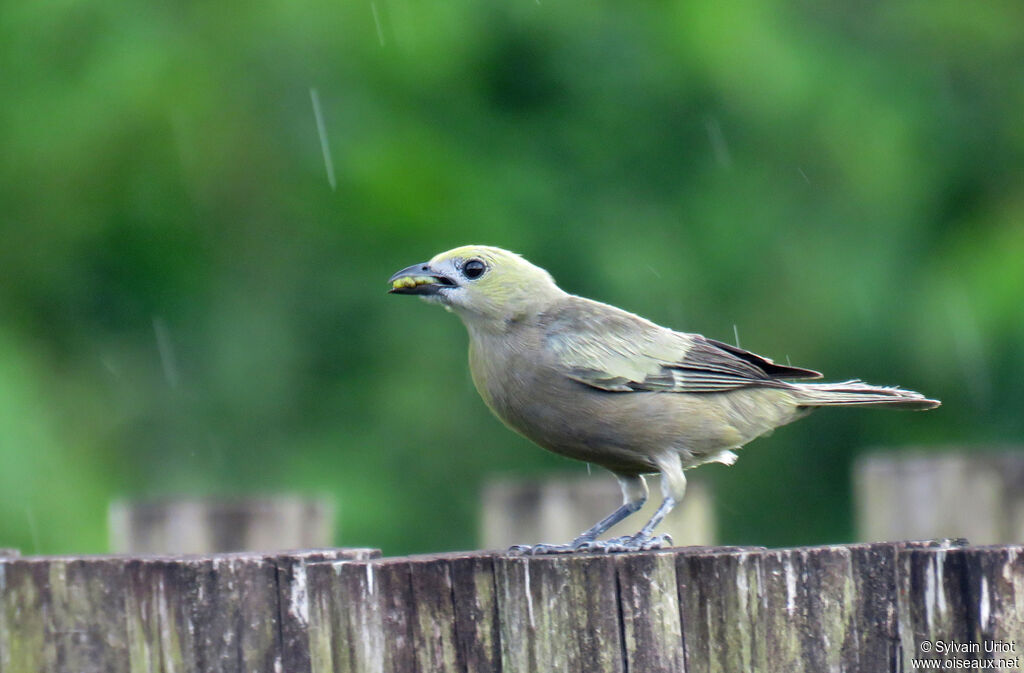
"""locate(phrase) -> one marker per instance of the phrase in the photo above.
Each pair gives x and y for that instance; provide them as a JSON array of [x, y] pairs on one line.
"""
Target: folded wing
[[609, 349]]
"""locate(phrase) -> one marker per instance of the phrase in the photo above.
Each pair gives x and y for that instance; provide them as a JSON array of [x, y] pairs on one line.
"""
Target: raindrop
[[166, 349], [718, 145], [321, 130], [376, 21], [110, 366]]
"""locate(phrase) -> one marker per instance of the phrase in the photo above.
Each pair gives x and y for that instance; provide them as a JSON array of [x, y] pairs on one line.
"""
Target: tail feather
[[857, 393]]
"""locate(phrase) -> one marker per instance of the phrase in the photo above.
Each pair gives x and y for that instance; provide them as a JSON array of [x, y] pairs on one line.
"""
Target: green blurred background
[[188, 305]]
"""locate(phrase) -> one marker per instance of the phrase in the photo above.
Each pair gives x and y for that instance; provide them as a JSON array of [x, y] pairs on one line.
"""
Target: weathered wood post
[[867, 607], [528, 511], [244, 613], [874, 608], [965, 604], [915, 495], [212, 525], [806, 609]]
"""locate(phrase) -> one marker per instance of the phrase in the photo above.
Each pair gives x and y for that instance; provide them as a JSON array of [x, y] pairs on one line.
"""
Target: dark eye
[[473, 269]]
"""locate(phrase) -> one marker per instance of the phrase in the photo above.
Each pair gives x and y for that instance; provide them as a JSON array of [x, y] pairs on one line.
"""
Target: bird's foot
[[620, 544], [580, 544]]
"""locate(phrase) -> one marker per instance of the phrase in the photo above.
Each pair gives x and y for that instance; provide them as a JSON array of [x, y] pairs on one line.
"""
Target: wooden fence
[[243, 613], [862, 607]]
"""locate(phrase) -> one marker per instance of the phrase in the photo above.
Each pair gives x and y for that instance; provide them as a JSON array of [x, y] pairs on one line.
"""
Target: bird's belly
[[625, 431], [590, 436]]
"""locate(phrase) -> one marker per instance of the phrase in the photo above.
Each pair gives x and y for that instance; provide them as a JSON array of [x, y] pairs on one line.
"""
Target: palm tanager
[[599, 384]]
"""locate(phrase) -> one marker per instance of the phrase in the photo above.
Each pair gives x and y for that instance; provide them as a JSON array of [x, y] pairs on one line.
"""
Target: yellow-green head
[[478, 282]]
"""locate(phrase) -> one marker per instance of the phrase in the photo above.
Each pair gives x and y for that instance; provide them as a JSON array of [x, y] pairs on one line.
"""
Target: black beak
[[418, 279]]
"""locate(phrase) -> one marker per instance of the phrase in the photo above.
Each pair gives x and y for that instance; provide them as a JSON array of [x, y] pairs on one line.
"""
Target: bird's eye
[[473, 269]]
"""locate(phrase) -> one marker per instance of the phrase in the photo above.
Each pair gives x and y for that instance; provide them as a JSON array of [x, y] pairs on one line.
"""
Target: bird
[[599, 384]]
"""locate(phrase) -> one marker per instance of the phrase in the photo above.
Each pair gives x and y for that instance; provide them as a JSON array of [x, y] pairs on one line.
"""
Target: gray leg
[[634, 495], [673, 488]]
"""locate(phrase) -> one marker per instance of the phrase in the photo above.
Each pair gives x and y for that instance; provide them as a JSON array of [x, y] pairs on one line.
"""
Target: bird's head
[[479, 283]]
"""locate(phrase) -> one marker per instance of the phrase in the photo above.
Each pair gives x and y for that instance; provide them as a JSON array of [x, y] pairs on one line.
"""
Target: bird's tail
[[857, 393]]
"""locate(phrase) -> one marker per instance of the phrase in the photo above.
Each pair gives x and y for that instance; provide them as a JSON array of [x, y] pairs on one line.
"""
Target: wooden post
[[400, 614], [112, 614], [528, 511], [969, 599], [804, 609], [207, 526], [842, 608], [912, 495], [865, 607]]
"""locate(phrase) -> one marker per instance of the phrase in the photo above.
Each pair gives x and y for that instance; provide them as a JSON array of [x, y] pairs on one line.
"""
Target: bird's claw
[[587, 545], [619, 544], [638, 543]]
